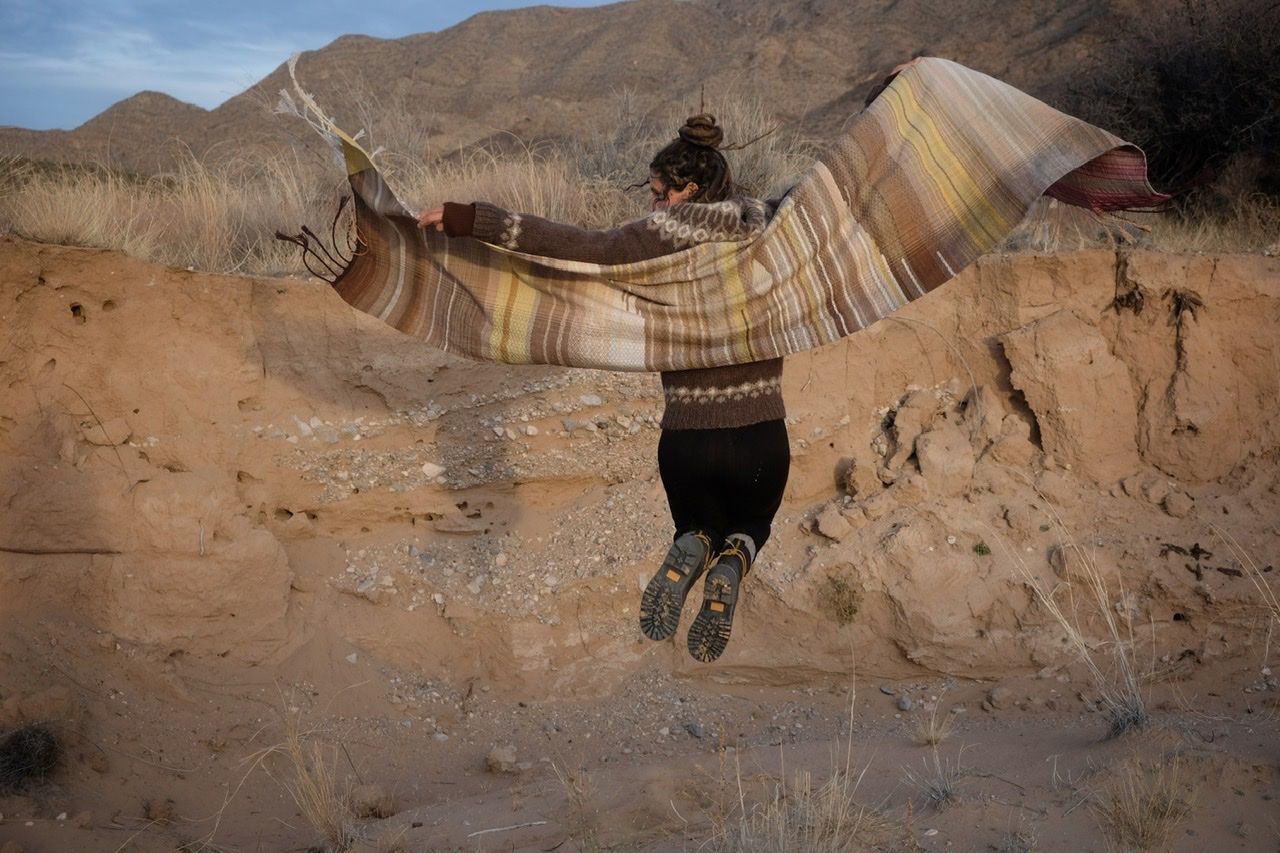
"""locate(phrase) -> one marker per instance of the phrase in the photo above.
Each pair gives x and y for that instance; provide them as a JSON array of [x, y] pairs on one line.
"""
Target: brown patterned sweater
[[711, 398]]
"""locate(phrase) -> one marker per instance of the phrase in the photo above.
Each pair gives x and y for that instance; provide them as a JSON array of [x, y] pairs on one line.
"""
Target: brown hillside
[[546, 72]]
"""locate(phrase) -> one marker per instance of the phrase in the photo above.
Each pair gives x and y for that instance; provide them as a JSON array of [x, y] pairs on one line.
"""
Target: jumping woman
[[724, 454]]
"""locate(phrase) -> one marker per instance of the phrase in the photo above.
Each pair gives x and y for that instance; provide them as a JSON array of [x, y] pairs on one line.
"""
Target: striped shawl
[[935, 172]]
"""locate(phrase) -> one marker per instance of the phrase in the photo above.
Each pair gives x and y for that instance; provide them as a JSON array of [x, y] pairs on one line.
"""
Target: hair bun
[[702, 130]]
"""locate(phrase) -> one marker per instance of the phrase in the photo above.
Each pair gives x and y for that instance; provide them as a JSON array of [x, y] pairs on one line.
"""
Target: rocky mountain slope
[[553, 73]]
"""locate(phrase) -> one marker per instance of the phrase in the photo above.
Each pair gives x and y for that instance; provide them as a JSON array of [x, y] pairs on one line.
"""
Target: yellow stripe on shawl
[[736, 295], [965, 199], [513, 310]]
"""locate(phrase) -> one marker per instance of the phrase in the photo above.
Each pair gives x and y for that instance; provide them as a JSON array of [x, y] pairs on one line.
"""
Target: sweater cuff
[[495, 225], [459, 219], [488, 221]]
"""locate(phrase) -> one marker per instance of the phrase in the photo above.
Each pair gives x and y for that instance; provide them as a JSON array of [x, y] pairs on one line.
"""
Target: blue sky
[[63, 62]]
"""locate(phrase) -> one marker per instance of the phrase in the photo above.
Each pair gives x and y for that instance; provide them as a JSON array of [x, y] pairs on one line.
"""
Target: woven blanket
[[935, 172]]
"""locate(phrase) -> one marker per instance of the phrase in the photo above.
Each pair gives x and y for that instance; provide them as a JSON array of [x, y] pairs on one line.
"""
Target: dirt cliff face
[[228, 475], [210, 463]]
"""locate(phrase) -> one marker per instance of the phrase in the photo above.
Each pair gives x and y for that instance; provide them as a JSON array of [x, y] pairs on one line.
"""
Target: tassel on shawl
[[330, 258]]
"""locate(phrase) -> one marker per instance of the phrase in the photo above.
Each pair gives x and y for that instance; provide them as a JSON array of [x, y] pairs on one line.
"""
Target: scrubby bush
[[1197, 85]]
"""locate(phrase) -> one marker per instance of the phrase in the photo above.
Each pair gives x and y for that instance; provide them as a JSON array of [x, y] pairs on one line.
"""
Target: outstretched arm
[[634, 241]]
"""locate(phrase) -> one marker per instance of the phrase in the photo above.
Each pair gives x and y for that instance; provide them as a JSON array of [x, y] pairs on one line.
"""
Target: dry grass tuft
[[939, 782], [583, 813], [1270, 600], [1112, 661], [805, 816], [314, 788], [221, 219], [932, 730], [1144, 804], [1249, 223], [1020, 841]]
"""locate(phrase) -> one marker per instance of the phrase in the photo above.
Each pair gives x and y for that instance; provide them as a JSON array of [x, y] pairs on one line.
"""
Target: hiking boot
[[709, 633], [664, 597]]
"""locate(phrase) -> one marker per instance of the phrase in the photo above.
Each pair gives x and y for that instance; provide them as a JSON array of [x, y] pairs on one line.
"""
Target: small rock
[[353, 657], [946, 459], [832, 524], [905, 703], [998, 697], [1155, 490], [1132, 485], [665, 731], [440, 736], [1012, 449], [887, 690], [695, 729], [500, 560], [1178, 504], [591, 400], [432, 470], [530, 430], [502, 759], [879, 505], [159, 811], [83, 820]]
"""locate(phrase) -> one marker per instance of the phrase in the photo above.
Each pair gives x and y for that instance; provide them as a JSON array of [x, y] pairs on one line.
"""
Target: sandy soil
[[232, 506]]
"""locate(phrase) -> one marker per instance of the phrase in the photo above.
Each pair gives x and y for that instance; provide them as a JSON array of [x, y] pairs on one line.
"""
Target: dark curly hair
[[693, 158]]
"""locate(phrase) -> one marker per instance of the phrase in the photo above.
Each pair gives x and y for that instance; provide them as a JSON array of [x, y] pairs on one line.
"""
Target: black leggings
[[725, 481]]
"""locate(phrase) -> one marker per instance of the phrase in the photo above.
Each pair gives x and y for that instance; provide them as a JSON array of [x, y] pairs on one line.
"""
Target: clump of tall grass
[[222, 217], [939, 782], [803, 815], [1143, 805], [800, 814], [315, 790], [1250, 223], [218, 218], [1083, 597]]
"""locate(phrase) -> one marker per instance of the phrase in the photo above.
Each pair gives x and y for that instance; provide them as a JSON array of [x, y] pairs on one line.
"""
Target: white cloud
[[129, 59]]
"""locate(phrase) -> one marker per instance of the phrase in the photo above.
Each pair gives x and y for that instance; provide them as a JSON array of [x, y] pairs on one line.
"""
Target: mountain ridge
[[549, 72]]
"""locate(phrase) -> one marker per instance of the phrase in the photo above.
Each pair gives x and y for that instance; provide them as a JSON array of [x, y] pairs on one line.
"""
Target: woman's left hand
[[431, 217]]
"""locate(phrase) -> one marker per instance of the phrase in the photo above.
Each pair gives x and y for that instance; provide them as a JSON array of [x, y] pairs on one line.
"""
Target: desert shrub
[[1196, 84], [841, 599]]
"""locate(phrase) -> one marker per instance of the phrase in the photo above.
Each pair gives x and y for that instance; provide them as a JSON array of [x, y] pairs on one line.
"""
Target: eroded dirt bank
[[227, 498]]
